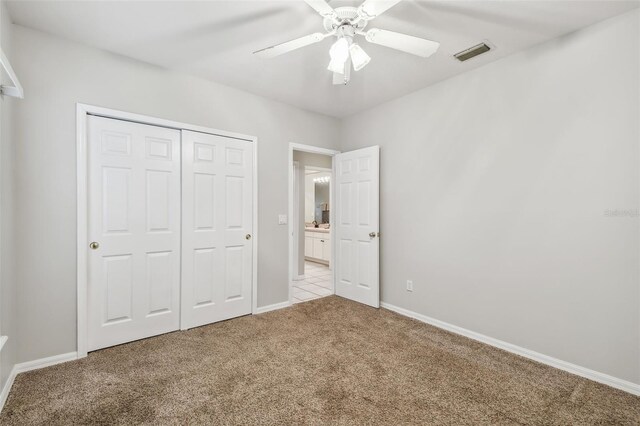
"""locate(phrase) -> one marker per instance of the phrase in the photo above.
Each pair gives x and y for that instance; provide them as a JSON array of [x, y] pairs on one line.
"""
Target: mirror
[[317, 196]]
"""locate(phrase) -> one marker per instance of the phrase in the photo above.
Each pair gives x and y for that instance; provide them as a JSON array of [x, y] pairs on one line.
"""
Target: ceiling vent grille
[[472, 52]]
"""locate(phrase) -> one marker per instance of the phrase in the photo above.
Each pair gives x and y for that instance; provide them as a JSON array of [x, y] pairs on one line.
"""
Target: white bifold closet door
[[134, 226], [217, 226], [170, 227], [357, 223]]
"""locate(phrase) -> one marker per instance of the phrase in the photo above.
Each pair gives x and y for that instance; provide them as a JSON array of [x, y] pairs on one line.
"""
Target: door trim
[[290, 268], [295, 218], [82, 112]]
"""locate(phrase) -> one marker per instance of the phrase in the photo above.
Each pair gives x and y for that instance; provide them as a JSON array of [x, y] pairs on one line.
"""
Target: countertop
[[323, 230]]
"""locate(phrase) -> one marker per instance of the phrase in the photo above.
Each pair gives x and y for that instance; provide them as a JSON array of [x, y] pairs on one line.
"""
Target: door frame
[[83, 111], [295, 221], [291, 230]]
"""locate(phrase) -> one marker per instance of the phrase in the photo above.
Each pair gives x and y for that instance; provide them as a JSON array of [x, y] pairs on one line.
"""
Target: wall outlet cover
[[409, 285], [282, 219]]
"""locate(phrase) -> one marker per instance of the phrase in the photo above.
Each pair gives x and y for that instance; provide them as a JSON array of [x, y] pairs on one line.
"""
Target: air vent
[[472, 52]]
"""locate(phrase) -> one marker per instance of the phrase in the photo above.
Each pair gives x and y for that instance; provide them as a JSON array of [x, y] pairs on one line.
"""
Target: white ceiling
[[215, 40]]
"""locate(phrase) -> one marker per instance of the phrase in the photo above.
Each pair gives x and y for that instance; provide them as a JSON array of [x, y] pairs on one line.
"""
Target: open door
[[357, 186]]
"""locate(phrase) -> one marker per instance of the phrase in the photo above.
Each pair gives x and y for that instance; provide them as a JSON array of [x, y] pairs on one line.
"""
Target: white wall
[[7, 283], [56, 74], [494, 191]]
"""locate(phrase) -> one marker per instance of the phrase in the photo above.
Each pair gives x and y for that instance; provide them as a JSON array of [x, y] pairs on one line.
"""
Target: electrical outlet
[[409, 285], [282, 219]]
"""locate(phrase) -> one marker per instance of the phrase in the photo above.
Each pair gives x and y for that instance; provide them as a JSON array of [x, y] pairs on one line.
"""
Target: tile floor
[[316, 284]]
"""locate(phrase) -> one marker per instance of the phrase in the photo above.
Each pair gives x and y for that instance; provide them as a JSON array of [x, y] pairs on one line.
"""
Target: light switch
[[282, 219]]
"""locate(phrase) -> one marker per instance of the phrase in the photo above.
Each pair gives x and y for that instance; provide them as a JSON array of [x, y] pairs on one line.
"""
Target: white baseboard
[[275, 306], [299, 277], [7, 388], [45, 362], [33, 365], [614, 382]]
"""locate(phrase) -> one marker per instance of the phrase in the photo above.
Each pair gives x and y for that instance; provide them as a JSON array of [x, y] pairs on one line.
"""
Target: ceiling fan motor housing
[[345, 16], [346, 30]]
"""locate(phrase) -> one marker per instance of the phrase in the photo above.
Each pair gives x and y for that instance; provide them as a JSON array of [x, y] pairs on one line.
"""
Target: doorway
[[310, 230], [353, 230], [314, 278]]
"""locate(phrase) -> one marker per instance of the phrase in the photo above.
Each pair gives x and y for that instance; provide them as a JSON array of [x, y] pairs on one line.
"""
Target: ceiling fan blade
[[372, 8], [279, 49], [406, 43], [322, 7]]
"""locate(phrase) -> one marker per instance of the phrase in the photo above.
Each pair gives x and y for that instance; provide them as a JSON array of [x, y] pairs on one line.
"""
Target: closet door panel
[[134, 220], [217, 204]]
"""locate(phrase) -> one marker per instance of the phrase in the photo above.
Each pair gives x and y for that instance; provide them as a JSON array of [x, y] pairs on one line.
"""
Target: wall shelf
[[15, 90]]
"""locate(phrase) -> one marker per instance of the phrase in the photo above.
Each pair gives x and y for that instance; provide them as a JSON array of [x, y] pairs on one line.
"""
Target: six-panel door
[[217, 227], [134, 220], [357, 225], [165, 255]]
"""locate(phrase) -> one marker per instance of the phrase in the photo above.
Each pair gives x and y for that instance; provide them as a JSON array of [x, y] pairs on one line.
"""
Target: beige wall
[[56, 74], [495, 187]]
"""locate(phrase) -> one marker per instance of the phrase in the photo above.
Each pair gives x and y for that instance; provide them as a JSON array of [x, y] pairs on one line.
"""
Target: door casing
[[82, 112]]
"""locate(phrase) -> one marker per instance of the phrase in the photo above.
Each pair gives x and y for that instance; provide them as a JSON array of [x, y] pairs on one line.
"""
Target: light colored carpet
[[328, 361]]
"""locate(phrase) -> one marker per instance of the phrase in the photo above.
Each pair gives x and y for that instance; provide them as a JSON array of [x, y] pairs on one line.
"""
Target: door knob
[[94, 245], [248, 236], [372, 234]]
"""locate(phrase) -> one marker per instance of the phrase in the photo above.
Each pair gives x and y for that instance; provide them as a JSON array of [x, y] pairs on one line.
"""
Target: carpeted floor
[[328, 361]]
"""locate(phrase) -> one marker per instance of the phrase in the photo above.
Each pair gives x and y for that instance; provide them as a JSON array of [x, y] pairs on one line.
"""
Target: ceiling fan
[[345, 23]]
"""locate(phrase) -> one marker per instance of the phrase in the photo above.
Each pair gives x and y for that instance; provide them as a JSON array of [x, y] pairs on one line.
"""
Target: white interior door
[[217, 222], [134, 220], [357, 185]]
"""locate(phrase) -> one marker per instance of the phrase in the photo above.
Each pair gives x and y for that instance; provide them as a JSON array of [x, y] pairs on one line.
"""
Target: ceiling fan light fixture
[[359, 57], [336, 67], [346, 23], [339, 53]]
